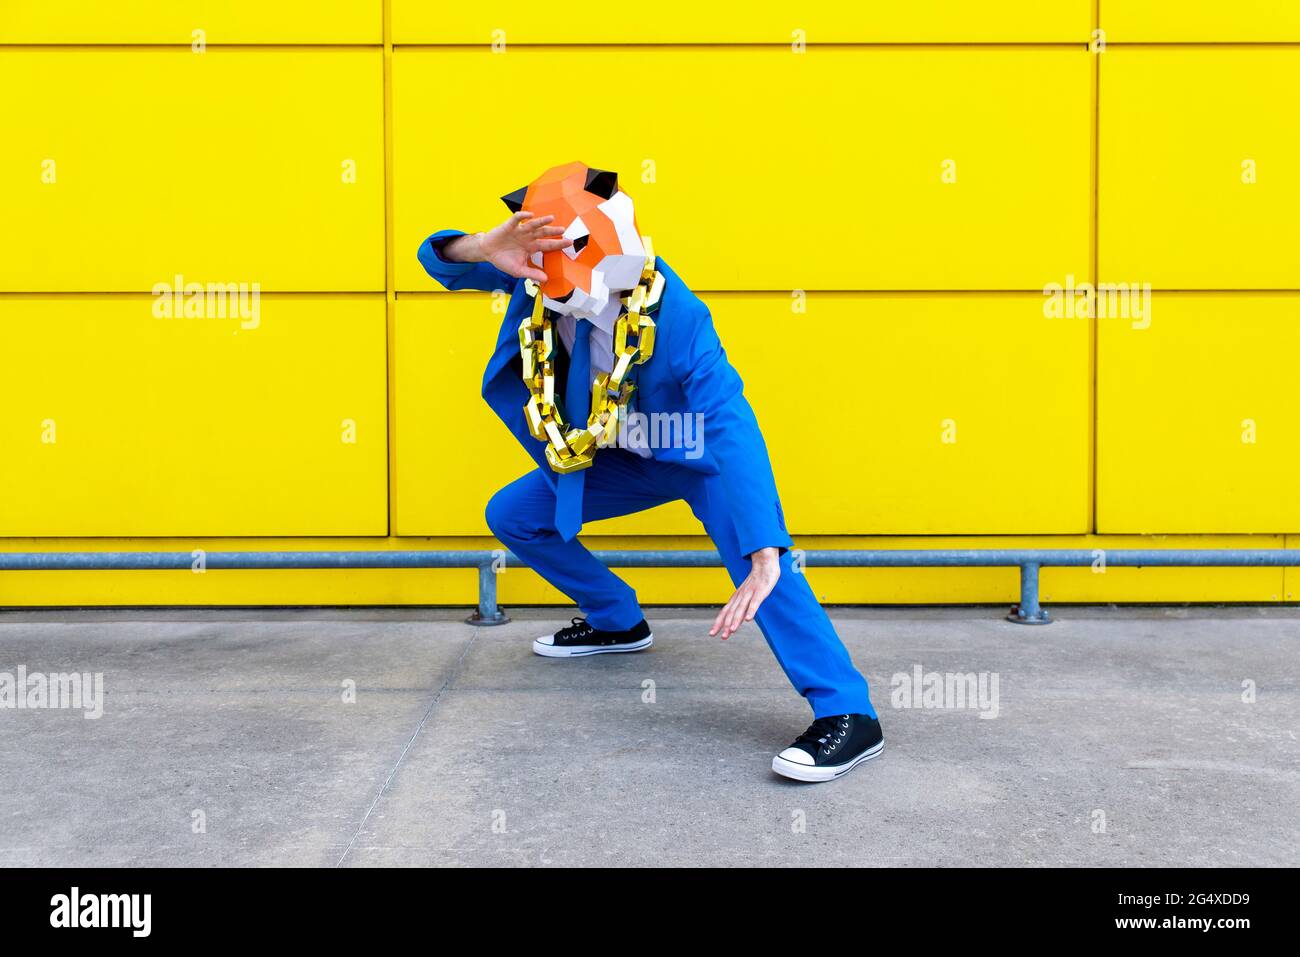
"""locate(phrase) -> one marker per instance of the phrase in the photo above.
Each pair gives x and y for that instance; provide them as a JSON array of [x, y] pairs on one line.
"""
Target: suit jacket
[[687, 374]]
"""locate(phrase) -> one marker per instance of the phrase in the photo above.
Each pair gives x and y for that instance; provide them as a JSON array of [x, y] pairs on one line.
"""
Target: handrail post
[[487, 612], [1029, 612]]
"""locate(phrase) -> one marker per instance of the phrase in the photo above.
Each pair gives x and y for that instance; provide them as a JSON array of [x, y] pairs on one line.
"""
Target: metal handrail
[[490, 563]]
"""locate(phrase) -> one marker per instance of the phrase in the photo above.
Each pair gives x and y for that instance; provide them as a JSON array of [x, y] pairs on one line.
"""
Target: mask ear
[[515, 201], [602, 182]]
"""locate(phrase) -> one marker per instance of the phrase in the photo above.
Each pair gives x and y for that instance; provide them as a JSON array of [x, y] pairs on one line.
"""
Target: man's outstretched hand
[[509, 245], [765, 569]]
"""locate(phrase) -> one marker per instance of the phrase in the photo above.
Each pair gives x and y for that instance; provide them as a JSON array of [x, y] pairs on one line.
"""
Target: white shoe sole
[[582, 651], [813, 775]]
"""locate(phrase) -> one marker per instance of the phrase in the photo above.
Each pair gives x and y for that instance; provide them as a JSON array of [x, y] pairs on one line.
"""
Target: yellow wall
[[871, 198]]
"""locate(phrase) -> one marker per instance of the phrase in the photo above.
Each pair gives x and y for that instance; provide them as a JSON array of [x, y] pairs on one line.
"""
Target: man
[[600, 336]]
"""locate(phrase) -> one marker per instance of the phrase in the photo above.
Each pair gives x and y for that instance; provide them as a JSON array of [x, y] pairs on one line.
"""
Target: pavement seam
[[383, 789]]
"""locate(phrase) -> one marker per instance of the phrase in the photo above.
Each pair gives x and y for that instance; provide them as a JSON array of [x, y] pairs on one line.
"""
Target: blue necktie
[[577, 406]]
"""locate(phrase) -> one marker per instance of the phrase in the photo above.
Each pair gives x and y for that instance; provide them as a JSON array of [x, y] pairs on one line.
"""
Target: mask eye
[[577, 231]]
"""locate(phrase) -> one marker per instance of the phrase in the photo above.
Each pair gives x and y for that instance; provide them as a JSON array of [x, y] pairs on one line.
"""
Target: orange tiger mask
[[607, 256]]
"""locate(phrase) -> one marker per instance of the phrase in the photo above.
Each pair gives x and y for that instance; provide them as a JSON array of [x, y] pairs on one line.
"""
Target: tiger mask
[[584, 280]]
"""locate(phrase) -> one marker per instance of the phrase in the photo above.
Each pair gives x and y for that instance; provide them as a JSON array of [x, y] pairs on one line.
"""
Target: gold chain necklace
[[569, 449]]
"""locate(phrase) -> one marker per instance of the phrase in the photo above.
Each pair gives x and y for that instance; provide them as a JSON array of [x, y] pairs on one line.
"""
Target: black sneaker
[[830, 747], [581, 639]]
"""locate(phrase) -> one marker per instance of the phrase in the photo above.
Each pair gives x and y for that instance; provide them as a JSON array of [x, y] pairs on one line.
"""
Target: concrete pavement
[[1120, 737]]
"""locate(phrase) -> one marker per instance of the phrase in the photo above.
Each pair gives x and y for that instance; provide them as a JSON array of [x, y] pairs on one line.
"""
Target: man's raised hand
[[509, 246]]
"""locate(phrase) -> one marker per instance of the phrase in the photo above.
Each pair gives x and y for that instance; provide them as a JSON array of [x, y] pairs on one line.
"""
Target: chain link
[[569, 449]]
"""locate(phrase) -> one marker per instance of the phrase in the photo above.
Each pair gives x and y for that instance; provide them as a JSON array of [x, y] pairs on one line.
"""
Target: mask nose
[[565, 298]]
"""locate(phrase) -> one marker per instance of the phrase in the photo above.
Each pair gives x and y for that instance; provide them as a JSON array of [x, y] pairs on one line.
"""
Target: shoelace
[[826, 731], [577, 628]]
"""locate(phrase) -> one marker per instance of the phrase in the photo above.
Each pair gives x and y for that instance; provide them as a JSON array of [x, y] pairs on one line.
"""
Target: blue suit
[[729, 487]]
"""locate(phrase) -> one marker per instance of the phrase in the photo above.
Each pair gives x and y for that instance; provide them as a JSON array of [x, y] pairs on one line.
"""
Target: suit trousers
[[797, 629]]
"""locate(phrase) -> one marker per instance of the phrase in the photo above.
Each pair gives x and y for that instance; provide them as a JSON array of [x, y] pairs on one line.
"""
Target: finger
[[533, 273], [552, 230], [760, 596], [742, 607], [737, 613], [550, 245], [517, 218], [733, 613], [722, 615], [537, 222], [728, 629]]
